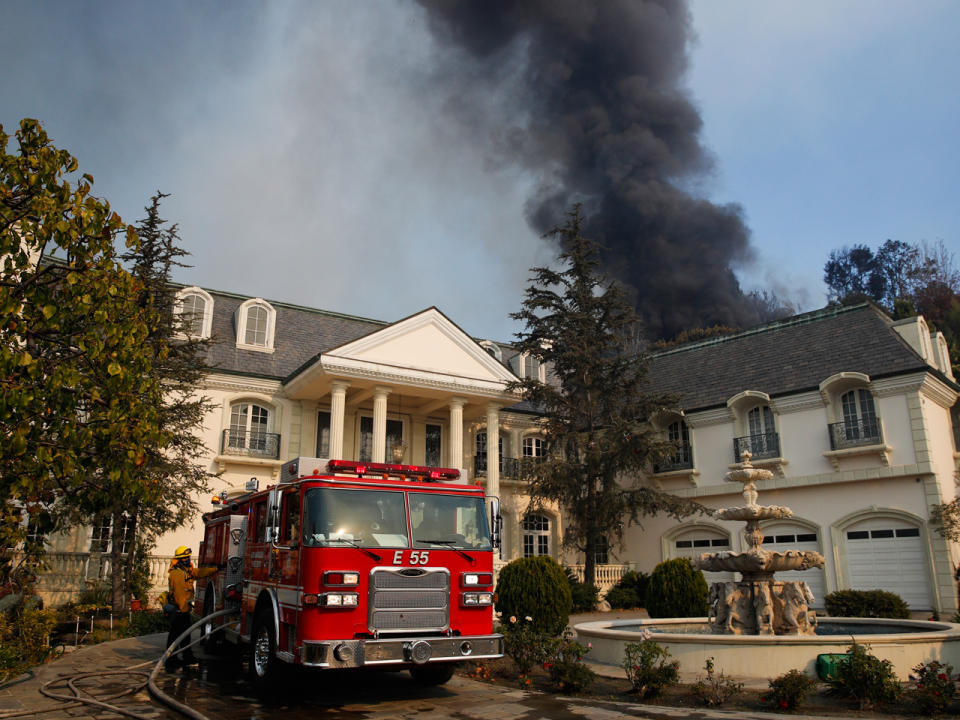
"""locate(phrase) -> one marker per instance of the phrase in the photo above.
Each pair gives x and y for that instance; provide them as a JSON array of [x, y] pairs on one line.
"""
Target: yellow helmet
[[182, 552]]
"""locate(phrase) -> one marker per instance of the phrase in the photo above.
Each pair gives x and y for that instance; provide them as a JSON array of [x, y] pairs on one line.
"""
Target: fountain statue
[[758, 604]]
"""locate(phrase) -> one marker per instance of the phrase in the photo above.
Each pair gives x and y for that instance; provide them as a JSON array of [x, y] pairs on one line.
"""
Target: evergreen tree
[[596, 408]]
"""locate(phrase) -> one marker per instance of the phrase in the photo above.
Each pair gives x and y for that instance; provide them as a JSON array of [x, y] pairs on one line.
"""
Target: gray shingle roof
[[299, 335], [788, 356]]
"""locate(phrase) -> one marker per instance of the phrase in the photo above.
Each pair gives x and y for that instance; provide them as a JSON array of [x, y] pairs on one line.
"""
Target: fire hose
[[76, 699]]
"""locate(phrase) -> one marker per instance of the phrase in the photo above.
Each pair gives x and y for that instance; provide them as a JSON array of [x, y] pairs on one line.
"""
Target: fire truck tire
[[264, 665], [433, 674], [212, 641]]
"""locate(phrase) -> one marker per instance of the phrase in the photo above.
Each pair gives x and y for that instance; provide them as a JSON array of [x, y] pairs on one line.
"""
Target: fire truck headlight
[[339, 599], [351, 578], [472, 599]]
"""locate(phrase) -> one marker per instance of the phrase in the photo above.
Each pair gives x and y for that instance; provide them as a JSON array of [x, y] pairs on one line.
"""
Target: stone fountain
[[758, 604]]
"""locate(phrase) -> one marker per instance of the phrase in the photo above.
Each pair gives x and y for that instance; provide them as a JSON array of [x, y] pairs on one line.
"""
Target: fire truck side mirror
[[496, 522]]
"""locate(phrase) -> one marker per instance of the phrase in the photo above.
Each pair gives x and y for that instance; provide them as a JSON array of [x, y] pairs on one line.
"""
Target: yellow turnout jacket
[[180, 582]]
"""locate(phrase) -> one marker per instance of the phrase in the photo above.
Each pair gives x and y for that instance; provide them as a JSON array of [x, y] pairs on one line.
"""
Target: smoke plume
[[591, 103]]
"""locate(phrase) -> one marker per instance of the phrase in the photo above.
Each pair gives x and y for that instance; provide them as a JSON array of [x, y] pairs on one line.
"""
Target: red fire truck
[[347, 564]]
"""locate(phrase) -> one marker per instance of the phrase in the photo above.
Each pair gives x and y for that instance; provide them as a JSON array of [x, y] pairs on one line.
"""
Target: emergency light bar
[[410, 471]]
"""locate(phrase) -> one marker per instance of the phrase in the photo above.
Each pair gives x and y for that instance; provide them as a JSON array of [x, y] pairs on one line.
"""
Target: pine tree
[[596, 407]]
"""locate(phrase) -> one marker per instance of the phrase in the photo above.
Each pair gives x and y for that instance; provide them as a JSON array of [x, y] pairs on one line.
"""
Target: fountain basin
[[906, 643], [755, 512]]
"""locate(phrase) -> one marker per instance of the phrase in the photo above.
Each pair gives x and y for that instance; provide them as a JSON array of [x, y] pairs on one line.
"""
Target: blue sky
[[310, 160]]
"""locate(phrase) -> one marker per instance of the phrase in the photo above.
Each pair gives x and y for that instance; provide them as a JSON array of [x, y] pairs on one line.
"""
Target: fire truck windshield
[[361, 518], [454, 521]]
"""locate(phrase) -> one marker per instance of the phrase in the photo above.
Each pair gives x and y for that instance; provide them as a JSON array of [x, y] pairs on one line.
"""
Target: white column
[[380, 424], [456, 432], [338, 401], [493, 450]]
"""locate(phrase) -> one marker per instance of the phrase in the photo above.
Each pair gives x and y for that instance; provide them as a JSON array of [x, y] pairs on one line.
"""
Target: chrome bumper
[[400, 651]]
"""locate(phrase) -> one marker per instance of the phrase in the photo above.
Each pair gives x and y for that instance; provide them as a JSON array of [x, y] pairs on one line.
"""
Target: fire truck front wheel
[[264, 664], [432, 674]]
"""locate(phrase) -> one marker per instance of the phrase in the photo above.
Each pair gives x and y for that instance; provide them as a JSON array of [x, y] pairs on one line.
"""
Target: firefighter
[[180, 581]]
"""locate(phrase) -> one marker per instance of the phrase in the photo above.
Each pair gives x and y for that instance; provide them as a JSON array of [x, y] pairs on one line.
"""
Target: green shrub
[[525, 644], [536, 587], [146, 622], [866, 678], [647, 667], [932, 688], [867, 604], [715, 689], [638, 582], [24, 637], [585, 596], [676, 589], [566, 667], [789, 690], [622, 598]]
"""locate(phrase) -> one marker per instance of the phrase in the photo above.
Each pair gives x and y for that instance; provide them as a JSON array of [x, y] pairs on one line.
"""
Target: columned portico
[[338, 401], [493, 449], [379, 453], [456, 431]]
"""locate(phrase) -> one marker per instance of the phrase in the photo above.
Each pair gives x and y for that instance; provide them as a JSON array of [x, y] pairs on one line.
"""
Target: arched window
[[682, 458], [255, 329], [195, 311], [480, 460], [762, 440], [256, 320], [492, 349], [248, 433], [536, 535], [533, 446], [859, 416]]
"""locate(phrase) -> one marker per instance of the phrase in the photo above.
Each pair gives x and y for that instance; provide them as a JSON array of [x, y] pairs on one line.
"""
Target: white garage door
[[694, 542], [885, 554], [780, 538]]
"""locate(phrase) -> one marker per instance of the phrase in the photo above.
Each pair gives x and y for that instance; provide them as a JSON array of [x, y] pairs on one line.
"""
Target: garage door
[[694, 542], [884, 554], [780, 538]]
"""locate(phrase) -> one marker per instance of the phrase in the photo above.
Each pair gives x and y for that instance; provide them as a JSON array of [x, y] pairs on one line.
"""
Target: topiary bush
[[676, 589], [866, 604], [629, 592], [536, 587]]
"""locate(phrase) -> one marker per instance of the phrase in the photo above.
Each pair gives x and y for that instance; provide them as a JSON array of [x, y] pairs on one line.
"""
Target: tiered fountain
[[758, 604], [760, 627]]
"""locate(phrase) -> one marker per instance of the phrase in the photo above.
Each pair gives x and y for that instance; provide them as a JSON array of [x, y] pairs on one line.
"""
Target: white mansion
[[852, 412]]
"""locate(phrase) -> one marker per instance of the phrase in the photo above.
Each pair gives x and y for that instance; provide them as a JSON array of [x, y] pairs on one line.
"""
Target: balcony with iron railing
[[509, 467], [682, 459], [250, 444], [855, 433], [763, 446]]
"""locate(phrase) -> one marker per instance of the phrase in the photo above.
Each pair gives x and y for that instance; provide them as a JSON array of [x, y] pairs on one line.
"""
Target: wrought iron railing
[[766, 445], [250, 444], [509, 467], [682, 459], [854, 433]]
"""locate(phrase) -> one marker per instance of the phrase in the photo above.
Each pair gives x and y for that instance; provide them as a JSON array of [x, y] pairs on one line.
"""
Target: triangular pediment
[[428, 342]]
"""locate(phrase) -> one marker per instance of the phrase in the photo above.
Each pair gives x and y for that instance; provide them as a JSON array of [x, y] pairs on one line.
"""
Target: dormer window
[[195, 311], [256, 320], [492, 349]]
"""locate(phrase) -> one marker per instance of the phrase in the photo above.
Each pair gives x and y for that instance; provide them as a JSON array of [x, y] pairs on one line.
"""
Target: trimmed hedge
[[676, 589], [629, 592], [866, 604], [535, 587]]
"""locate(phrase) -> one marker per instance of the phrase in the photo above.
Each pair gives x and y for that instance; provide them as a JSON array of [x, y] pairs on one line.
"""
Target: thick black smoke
[[598, 113]]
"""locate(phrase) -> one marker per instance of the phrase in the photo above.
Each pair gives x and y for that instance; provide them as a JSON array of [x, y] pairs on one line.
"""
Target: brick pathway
[[216, 690]]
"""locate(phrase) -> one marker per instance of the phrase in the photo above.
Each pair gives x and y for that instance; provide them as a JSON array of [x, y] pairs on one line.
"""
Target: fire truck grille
[[409, 599]]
